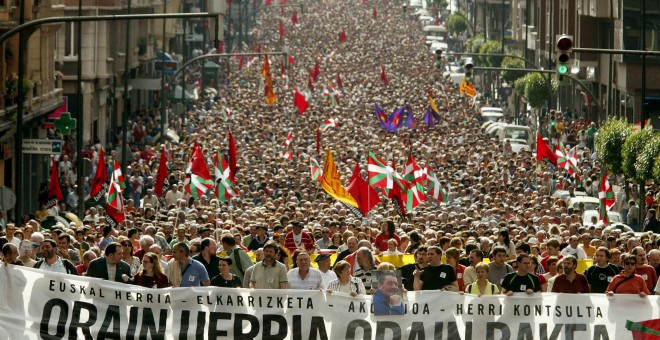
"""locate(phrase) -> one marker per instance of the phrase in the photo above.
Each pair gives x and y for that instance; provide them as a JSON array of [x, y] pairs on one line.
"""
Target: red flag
[[383, 76], [300, 102], [99, 185], [342, 36], [161, 175], [294, 18], [268, 2], [291, 60], [54, 191], [309, 82], [232, 155], [375, 13], [241, 61], [544, 151], [315, 74], [339, 82], [283, 2], [221, 47], [259, 48], [281, 29], [436, 21], [365, 195], [282, 11], [318, 140]]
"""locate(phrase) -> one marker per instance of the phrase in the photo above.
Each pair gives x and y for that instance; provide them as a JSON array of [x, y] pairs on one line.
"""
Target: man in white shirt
[[573, 249], [53, 263], [327, 274], [304, 277]]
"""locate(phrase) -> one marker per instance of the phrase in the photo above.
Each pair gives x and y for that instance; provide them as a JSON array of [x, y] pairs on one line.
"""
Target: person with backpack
[[240, 259]]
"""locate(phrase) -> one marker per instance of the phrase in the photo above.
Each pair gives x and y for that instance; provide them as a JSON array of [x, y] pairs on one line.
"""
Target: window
[[70, 41]]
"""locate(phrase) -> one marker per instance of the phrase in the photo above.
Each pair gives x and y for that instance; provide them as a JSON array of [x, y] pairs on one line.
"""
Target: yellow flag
[[470, 91], [271, 98], [432, 103], [462, 87], [332, 184]]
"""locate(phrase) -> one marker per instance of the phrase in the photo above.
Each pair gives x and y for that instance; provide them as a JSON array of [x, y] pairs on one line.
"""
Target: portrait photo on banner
[[388, 295]]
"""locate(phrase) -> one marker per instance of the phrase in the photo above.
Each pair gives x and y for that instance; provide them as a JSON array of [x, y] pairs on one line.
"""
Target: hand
[[353, 294], [395, 300], [124, 277], [529, 292], [610, 293], [509, 293], [418, 272], [329, 291], [642, 294]]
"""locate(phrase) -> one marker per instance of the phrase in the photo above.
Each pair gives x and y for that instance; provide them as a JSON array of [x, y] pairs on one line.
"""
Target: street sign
[[167, 66], [42, 146]]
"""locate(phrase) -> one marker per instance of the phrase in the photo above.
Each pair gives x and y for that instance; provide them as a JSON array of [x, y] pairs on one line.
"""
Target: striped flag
[[606, 197], [332, 122], [317, 172], [434, 189], [118, 177], [382, 175], [225, 185], [287, 153]]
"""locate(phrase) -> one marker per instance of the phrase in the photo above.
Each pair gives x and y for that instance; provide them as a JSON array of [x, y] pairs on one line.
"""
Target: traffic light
[[438, 59], [563, 55], [468, 70]]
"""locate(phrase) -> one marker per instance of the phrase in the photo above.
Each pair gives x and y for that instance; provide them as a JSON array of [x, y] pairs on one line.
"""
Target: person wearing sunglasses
[[627, 282]]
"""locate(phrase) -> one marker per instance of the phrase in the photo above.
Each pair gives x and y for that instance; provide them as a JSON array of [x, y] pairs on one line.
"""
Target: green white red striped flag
[[287, 152], [434, 188], [332, 122], [381, 175], [225, 185], [316, 169], [606, 197], [119, 178]]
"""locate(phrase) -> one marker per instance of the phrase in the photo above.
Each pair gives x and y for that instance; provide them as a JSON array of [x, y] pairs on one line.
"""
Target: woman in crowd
[[503, 240], [552, 268], [226, 278], [482, 286], [127, 256], [345, 282], [534, 269], [336, 241], [387, 232], [151, 274], [627, 282]]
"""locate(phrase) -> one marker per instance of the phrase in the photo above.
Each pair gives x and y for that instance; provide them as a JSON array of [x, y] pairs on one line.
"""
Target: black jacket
[[99, 268]]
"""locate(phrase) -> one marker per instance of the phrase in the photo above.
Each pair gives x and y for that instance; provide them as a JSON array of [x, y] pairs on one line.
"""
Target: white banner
[[36, 304]]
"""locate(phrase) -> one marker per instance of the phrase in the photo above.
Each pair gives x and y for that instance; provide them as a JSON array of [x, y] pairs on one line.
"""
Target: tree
[[631, 151], [456, 24], [519, 85], [656, 170], [536, 89], [491, 47], [474, 44], [511, 75], [609, 143], [646, 159]]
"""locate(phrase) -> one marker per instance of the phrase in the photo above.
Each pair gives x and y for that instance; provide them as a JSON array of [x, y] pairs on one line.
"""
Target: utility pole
[[80, 127], [127, 106]]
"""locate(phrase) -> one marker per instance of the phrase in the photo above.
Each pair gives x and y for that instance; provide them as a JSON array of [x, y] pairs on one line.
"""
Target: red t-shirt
[[460, 277], [381, 241], [648, 274]]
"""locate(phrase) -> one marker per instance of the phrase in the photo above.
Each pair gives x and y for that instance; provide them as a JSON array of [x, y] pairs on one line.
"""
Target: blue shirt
[[193, 274], [382, 305]]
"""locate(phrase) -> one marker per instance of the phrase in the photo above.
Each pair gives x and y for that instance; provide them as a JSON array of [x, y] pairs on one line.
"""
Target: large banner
[[35, 304]]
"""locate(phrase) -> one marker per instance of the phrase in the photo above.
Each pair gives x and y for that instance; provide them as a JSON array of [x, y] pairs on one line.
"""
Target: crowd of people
[[500, 231]]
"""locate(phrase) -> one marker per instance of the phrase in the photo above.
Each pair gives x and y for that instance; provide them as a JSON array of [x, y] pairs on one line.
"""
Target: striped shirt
[[354, 286]]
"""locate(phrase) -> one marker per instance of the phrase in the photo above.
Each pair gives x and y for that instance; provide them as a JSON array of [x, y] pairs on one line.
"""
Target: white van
[[490, 109], [438, 31], [437, 45], [515, 132]]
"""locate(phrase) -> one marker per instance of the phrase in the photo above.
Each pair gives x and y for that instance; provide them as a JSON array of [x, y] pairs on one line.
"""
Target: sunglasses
[[630, 263]]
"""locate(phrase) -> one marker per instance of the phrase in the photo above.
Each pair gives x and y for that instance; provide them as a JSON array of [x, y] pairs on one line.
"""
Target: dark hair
[[52, 242], [205, 243], [505, 234], [391, 228], [521, 257], [67, 237], [229, 239], [111, 248], [524, 247], [227, 260], [271, 244], [498, 249], [6, 249], [107, 230], [132, 232], [183, 247]]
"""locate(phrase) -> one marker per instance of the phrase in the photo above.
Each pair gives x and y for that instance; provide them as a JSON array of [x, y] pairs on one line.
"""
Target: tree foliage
[[519, 85], [474, 44], [646, 158], [491, 47], [510, 74], [609, 143], [632, 149], [656, 170], [456, 24], [536, 89]]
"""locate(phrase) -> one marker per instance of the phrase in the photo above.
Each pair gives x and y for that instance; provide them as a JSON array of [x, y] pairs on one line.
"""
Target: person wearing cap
[[298, 238], [260, 239], [327, 274], [150, 198]]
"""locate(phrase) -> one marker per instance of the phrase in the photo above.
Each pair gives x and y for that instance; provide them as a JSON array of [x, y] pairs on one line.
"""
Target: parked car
[[564, 194]]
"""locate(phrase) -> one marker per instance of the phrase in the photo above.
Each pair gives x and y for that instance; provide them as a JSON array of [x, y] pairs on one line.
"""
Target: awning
[[145, 83]]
